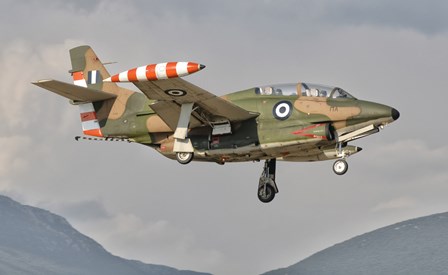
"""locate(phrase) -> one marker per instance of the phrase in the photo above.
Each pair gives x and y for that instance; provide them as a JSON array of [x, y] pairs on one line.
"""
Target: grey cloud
[[87, 210], [426, 17]]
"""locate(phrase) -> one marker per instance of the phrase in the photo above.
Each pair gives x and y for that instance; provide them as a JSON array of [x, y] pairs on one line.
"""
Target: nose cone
[[379, 113], [395, 114]]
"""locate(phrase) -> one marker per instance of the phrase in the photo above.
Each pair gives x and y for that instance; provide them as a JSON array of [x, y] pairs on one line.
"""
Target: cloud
[[22, 62], [86, 210], [409, 160], [18, 63], [13, 158], [128, 235], [394, 204], [160, 241], [427, 17], [203, 216], [157, 241]]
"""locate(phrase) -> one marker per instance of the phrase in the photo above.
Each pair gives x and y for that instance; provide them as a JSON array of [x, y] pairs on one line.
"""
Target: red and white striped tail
[[89, 120]]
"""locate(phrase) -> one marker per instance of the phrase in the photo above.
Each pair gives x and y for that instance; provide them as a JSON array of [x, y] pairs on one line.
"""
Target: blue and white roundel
[[282, 110]]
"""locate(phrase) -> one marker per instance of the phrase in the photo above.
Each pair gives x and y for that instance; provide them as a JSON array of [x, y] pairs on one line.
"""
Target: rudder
[[89, 120]]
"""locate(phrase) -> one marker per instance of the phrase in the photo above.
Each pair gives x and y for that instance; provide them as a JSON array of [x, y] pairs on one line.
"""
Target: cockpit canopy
[[303, 89]]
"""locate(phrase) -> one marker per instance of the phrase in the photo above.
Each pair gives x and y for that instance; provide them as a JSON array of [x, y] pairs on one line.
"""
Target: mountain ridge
[[36, 241], [415, 246]]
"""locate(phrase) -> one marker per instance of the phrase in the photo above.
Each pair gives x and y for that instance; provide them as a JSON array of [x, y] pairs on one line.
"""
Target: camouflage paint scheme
[[308, 133], [289, 122]]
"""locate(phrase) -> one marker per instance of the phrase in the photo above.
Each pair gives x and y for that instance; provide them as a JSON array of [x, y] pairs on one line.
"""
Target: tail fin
[[85, 61], [88, 71]]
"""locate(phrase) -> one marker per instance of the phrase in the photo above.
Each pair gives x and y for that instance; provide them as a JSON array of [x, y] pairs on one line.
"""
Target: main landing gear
[[267, 188], [184, 157]]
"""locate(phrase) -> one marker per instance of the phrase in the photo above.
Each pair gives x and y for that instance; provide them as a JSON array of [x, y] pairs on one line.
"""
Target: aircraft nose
[[395, 114]]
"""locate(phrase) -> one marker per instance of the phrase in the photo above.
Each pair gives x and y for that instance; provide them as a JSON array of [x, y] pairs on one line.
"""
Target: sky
[[203, 216]]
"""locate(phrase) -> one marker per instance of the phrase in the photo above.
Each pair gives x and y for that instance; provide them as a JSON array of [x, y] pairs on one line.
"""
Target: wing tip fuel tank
[[157, 71]]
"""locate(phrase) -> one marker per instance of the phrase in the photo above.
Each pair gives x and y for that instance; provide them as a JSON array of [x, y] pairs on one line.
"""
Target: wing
[[172, 93], [73, 92]]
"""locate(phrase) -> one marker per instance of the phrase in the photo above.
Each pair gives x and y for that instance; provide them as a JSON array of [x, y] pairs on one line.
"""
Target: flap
[[169, 112]]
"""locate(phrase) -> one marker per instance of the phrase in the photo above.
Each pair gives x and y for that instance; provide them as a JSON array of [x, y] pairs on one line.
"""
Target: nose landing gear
[[340, 167], [267, 188]]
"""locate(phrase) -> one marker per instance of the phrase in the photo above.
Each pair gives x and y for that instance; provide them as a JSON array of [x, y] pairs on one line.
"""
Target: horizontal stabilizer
[[73, 92]]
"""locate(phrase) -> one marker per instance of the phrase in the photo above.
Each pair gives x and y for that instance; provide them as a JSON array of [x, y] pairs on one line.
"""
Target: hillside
[[35, 241], [417, 246]]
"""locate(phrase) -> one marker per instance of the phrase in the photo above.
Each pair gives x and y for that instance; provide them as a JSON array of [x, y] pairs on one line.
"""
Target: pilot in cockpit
[[267, 90], [314, 92]]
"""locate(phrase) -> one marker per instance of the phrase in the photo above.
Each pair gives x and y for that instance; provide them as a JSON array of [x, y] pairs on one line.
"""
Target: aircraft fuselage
[[292, 127]]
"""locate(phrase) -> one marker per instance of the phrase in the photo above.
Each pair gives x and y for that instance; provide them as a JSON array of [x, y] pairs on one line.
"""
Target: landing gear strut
[[267, 188]]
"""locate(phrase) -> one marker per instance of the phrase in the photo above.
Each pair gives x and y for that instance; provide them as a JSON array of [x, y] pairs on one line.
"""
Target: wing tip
[[41, 81]]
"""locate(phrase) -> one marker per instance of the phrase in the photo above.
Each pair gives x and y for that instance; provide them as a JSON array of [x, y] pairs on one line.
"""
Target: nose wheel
[[267, 188], [266, 193], [340, 167]]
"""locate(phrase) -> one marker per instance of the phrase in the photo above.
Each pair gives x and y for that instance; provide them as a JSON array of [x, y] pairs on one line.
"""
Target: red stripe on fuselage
[[302, 133]]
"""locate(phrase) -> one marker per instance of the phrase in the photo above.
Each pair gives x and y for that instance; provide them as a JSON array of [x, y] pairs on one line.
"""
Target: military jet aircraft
[[289, 122]]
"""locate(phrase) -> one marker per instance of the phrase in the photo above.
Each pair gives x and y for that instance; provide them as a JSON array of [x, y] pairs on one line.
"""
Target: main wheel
[[340, 167], [266, 194], [184, 157]]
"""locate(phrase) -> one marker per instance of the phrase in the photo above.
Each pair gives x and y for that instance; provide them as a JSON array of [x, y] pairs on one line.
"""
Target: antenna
[[108, 63]]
